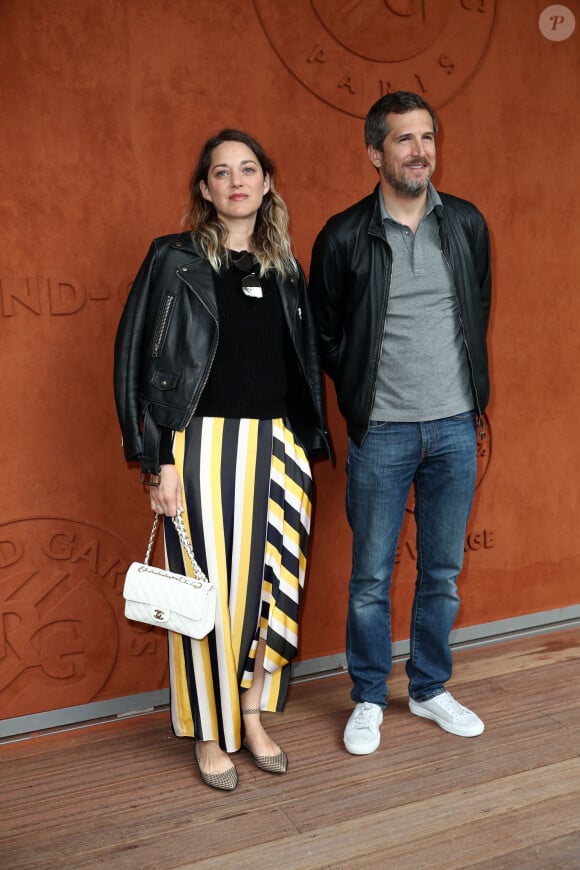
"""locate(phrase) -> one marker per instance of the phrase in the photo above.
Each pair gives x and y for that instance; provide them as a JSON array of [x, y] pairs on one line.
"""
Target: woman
[[219, 396]]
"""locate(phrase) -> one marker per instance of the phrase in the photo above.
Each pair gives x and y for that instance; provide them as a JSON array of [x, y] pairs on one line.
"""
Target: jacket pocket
[[164, 380], [162, 323]]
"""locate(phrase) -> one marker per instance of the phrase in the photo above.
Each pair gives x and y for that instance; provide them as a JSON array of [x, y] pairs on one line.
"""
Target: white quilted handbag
[[182, 604]]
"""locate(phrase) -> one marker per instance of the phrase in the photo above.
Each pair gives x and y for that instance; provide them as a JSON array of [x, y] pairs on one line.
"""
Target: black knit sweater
[[255, 370], [252, 370]]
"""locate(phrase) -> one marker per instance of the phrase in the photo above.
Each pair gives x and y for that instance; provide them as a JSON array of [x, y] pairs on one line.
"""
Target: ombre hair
[[271, 243]]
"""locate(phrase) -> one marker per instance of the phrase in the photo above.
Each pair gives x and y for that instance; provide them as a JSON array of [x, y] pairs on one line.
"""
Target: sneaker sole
[[446, 726], [355, 749]]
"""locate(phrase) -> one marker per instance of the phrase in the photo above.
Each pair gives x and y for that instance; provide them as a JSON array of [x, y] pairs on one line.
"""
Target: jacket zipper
[[383, 319], [162, 324], [297, 314], [213, 352], [479, 414]]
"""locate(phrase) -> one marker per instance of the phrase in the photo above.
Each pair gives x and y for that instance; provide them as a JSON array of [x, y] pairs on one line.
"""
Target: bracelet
[[148, 478]]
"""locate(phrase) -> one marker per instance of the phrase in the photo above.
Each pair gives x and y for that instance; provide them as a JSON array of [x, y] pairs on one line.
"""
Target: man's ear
[[374, 156]]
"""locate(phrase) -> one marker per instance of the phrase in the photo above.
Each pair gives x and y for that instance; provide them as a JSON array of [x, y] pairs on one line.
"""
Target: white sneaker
[[362, 735], [448, 714]]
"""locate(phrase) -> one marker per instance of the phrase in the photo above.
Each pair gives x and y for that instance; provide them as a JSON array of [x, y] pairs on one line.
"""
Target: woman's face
[[236, 184]]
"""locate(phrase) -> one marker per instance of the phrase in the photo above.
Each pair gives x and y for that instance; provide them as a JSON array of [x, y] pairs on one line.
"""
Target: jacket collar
[[185, 242], [376, 227], [195, 271], [198, 274]]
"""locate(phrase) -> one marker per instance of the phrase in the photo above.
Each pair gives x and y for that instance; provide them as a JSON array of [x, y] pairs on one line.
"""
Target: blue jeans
[[439, 458]]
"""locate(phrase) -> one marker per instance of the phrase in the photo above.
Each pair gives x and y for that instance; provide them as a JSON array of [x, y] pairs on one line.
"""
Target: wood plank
[[470, 819], [127, 795], [561, 853]]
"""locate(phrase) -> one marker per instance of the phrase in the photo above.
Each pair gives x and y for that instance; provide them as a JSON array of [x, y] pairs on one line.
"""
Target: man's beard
[[410, 187]]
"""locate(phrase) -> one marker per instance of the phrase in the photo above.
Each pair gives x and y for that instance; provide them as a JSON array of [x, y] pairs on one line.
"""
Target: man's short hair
[[397, 103]]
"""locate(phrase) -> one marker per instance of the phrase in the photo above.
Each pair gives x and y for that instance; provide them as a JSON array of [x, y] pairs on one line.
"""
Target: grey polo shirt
[[423, 371]]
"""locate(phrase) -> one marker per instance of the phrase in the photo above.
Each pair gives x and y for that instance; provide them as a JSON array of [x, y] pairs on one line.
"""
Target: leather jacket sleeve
[[327, 276], [128, 346], [483, 260], [307, 410]]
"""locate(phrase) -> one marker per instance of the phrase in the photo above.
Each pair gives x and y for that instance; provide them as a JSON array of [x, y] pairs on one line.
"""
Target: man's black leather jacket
[[349, 289], [167, 340]]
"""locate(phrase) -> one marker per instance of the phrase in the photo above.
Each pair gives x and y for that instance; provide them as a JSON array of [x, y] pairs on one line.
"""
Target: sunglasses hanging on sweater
[[251, 286], [246, 263]]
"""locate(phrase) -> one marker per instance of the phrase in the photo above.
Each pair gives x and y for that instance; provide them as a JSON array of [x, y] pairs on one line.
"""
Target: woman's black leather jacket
[[166, 342], [349, 289]]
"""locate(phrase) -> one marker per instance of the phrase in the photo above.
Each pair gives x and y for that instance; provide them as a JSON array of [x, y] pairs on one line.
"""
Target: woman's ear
[[266, 183], [204, 189]]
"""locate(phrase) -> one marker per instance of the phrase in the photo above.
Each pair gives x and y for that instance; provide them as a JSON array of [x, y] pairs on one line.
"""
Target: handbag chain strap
[[152, 537], [185, 543]]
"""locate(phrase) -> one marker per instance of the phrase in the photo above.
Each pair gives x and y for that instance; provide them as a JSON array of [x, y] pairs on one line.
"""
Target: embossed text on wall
[[350, 53]]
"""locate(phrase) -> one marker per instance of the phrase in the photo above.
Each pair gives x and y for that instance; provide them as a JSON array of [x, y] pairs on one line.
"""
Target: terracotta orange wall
[[105, 105]]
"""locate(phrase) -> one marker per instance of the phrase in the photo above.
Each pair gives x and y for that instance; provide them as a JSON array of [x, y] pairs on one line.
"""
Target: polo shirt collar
[[433, 200]]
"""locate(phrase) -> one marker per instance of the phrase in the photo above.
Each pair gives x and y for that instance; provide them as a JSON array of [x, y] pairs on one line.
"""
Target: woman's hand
[[167, 498]]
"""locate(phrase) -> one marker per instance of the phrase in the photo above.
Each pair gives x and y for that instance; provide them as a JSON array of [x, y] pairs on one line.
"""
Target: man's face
[[407, 159]]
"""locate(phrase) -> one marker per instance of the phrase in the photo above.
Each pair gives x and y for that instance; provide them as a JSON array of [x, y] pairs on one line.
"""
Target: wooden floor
[[126, 794]]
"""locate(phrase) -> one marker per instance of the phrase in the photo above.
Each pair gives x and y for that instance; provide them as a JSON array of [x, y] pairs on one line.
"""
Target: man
[[401, 288]]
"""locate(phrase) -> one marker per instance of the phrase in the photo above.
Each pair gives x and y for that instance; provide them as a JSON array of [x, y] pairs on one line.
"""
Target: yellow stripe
[[291, 534], [202, 645], [278, 464], [180, 682], [247, 682], [179, 451], [283, 572], [283, 618], [274, 680], [276, 508], [295, 489], [176, 646]]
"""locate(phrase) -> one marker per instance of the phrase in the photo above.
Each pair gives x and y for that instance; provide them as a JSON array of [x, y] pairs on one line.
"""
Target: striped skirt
[[248, 489]]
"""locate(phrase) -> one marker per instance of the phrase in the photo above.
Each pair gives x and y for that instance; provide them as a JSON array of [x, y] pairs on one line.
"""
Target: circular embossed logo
[[351, 52], [64, 639]]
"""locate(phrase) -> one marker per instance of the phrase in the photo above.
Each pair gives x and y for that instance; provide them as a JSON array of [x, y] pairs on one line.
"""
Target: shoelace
[[363, 716], [449, 703]]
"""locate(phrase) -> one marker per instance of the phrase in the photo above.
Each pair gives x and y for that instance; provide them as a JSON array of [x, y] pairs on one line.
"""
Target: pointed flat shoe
[[227, 780], [270, 763]]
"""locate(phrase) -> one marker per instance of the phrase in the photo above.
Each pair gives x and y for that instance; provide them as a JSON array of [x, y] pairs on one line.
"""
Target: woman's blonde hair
[[271, 243]]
